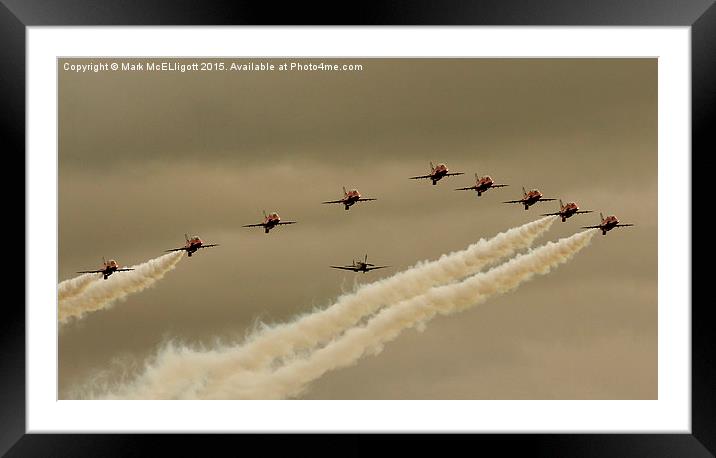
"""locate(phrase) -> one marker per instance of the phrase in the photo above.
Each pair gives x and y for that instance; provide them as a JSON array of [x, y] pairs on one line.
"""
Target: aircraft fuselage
[[437, 175], [567, 212], [270, 224], [109, 270], [531, 198], [350, 200], [482, 187], [192, 248], [608, 226]]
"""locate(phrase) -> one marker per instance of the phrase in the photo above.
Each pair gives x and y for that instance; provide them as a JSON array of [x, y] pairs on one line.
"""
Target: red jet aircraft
[[607, 224], [565, 211], [193, 243], [349, 198], [437, 173], [270, 221], [529, 198], [108, 268], [482, 184]]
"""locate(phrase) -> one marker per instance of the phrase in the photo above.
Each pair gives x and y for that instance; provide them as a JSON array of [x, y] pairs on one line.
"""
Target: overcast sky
[[146, 156]]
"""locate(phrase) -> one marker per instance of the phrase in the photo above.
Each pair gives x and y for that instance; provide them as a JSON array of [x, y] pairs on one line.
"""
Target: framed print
[[399, 227]]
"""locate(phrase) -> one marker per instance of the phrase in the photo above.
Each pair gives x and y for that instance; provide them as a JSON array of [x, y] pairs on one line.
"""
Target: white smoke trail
[[321, 326], [162, 377], [103, 293], [291, 379], [75, 286]]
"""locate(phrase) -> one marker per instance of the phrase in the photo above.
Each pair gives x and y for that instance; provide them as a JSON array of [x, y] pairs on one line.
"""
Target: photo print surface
[[392, 228]]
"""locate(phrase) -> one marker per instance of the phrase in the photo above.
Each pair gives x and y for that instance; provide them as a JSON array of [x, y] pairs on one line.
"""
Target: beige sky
[[145, 157]]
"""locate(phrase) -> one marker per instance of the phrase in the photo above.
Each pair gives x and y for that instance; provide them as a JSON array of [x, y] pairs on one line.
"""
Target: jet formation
[[350, 198]]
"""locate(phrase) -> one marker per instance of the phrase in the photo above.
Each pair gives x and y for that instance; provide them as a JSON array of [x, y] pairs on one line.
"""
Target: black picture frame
[[700, 15]]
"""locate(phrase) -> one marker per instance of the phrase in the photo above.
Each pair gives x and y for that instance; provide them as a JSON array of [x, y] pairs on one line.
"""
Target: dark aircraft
[[192, 244], [360, 266], [349, 198], [437, 173], [482, 184], [270, 221], [565, 211], [108, 268], [529, 198], [607, 224]]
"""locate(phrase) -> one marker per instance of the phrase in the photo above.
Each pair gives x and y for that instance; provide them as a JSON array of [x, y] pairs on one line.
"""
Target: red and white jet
[[607, 224], [349, 198], [270, 221], [193, 243], [565, 211], [529, 198], [108, 268], [482, 184], [437, 173]]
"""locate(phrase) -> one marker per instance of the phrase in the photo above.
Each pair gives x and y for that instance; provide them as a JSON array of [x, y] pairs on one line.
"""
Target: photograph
[[349, 228]]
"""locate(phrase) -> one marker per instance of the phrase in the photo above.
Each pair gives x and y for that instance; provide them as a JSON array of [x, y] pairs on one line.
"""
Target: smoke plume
[[321, 326], [185, 373], [75, 286], [102, 293], [291, 379]]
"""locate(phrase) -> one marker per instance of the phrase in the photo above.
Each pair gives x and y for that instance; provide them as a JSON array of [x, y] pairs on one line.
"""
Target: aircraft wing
[[333, 202], [210, 245], [344, 268], [365, 200], [288, 222], [376, 267], [592, 227], [551, 214], [498, 185], [253, 225], [513, 202], [454, 173], [90, 271], [123, 270], [623, 225], [585, 211], [421, 176], [175, 249], [466, 189], [541, 199]]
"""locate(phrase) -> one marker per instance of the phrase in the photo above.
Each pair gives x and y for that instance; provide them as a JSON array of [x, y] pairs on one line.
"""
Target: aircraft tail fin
[[432, 167], [345, 193], [476, 177], [186, 237], [366, 258], [523, 191], [560, 203], [601, 216], [264, 211]]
